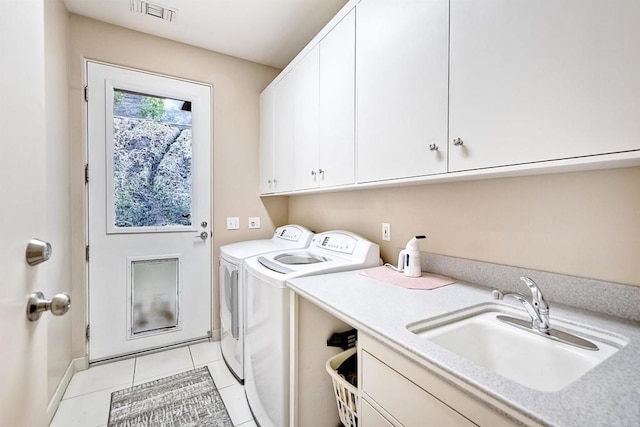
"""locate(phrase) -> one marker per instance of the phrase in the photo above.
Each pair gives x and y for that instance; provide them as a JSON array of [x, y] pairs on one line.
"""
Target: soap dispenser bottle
[[409, 258]]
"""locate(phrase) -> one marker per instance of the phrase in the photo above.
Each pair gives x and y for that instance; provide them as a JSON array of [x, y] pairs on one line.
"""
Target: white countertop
[[608, 395]]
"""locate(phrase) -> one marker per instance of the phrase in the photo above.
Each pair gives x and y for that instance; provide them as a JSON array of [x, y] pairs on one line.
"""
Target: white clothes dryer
[[267, 315], [232, 292]]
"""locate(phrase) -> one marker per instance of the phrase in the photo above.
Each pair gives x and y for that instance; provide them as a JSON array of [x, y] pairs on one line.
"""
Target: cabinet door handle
[[321, 171], [313, 173], [433, 147], [458, 141]]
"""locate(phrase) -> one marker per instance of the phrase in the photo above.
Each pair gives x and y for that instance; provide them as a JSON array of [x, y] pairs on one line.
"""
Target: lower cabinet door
[[369, 417]]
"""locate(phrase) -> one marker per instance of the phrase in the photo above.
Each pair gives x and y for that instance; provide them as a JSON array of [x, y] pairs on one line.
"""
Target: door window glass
[[152, 161]]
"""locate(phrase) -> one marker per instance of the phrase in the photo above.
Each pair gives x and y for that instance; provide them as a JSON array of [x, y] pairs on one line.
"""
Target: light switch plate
[[233, 223], [254, 222]]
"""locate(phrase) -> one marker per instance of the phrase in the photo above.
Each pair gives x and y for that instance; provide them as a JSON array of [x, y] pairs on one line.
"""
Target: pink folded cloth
[[426, 281]]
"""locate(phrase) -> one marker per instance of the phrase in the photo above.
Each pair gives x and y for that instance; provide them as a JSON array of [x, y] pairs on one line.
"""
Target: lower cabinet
[[393, 390], [396, 391]]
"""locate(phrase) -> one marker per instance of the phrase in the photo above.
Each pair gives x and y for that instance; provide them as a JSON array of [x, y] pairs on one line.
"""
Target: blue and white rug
[[188, 399]]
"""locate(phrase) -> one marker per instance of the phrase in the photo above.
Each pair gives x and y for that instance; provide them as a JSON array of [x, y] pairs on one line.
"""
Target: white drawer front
[[404, 400]]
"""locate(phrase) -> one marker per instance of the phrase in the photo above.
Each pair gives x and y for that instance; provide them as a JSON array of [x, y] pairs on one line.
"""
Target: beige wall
[[236, 88], [58, 223], [584, 224]]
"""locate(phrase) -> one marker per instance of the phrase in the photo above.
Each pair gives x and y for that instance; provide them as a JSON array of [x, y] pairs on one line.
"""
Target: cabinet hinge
[[86, 253], [86, 173], [87, 333], [86, 93]]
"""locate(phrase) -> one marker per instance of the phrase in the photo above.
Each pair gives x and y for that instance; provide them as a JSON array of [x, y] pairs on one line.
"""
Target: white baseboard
[[75, 365]]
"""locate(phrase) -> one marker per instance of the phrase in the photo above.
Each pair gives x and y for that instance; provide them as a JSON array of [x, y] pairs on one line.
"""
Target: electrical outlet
[[386, 231], [233, 223], [254, 222]]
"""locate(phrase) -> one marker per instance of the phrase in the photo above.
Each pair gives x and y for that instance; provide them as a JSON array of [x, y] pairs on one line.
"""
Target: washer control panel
[[336, 242]]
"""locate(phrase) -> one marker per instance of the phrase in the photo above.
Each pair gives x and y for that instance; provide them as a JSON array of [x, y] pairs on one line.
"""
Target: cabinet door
[[370, 417], [283, 134], [402, 84], [266, 140], [337, 104], [541, 80], [305, 120]]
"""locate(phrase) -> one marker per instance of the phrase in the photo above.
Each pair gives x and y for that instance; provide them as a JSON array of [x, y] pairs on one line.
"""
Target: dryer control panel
[[289, 233]]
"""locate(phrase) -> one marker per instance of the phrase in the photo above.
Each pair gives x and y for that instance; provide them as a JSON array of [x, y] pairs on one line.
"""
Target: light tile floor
[[86, 401]]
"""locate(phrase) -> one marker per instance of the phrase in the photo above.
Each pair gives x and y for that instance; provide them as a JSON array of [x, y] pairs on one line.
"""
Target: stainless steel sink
[[527, 358]]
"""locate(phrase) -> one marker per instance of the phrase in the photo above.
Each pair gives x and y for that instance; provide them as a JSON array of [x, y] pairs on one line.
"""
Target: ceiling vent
[[153, 9]]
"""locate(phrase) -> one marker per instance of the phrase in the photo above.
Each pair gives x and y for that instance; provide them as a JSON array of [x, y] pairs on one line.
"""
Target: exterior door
[[149, 190], [23, 348]]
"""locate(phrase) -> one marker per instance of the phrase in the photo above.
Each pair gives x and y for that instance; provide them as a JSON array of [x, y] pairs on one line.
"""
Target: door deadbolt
[[58, 305], [38, 251]]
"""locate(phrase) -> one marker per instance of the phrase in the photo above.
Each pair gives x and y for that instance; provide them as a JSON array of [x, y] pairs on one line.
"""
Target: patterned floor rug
[[188, 399]]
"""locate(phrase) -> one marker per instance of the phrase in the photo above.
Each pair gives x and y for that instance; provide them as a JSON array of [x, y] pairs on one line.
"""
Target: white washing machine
[[267, 315], [232, 287]]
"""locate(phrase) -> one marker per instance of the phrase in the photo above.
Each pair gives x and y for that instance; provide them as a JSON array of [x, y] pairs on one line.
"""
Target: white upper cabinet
[[283, 134], [306, 119], [402, 85], [325, 109], [266, 140], [543, 80], [395, 91], [336, 164]]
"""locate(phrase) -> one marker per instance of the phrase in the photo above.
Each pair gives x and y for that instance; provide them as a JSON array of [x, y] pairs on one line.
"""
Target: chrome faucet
[[538, 308]]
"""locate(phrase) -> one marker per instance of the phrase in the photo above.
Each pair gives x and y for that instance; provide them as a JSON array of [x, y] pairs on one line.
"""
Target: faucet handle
[[536, 294], [497, 294], [540, 305]]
